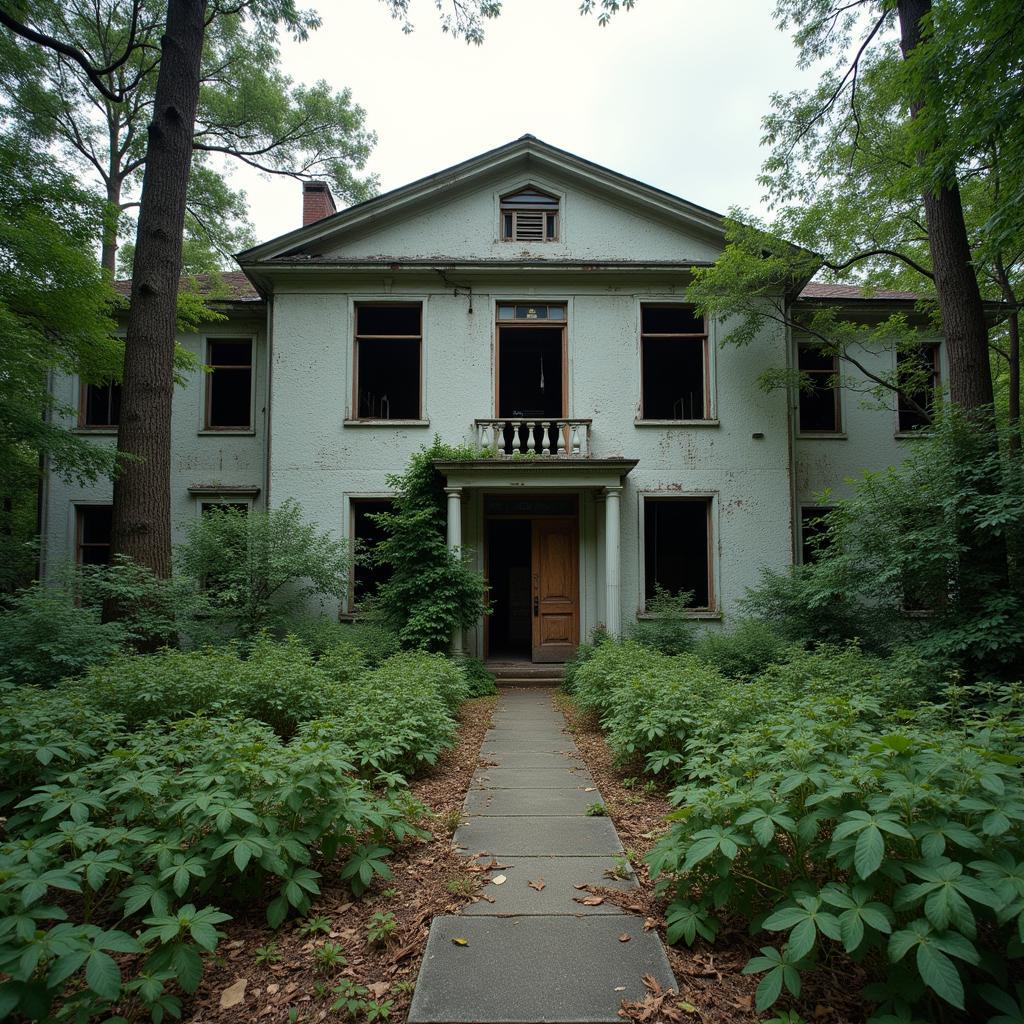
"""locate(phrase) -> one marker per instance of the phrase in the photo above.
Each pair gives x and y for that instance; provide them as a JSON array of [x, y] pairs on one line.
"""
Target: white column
[[612, 562], [454, 543]]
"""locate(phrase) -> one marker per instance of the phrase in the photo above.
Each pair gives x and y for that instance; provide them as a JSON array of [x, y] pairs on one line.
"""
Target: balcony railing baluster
[[545, 439]]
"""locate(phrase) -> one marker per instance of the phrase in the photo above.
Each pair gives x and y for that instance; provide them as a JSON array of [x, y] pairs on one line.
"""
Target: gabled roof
[[822, 290], [227, 286], [659, 202]]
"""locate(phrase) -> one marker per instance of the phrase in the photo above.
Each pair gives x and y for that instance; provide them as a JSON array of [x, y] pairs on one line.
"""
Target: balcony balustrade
[[550, 438]]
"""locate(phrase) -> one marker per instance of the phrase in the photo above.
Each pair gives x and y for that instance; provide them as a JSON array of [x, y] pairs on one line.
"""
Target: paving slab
[[558, 896], [530, 778], [517, 802], [554, 743], [530, 759], [537, 835], [524, 970]]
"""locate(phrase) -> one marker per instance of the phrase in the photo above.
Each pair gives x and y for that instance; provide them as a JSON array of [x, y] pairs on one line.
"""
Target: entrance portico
[[567, 544]]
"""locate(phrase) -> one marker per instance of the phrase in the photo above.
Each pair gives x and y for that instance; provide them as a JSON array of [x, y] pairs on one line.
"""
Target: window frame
[[83, 408], [354, 419], [710, 498], [838, 430], [506, 208], [803, 508], [209, 340], [937, 378], [78, 508], [706, 356], [352, 501]]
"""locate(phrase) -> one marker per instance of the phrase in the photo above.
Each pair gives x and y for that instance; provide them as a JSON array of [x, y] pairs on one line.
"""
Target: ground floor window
[[368, 575], [813, 532], [677, 548], [93, 528], [207, 507]]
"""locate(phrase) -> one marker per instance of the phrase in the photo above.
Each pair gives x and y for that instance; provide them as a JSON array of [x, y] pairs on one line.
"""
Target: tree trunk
[[956, 284], [108, 246], [1013, 333], [142, 498]]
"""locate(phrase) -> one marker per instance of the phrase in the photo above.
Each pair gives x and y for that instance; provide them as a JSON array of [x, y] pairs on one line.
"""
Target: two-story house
[[531, 303]]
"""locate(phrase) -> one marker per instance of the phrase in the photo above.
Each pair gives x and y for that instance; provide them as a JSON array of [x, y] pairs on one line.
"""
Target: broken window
[[387, 362], [917, 371], [100, 405], [229, 384], [94, 526], [529, 216], [207, 507], [819, 391], [674, 364], [677, 548], [814, 535], [368, 574]]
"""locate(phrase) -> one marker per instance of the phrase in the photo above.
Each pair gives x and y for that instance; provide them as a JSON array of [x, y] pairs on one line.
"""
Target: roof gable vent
[[529, 215]]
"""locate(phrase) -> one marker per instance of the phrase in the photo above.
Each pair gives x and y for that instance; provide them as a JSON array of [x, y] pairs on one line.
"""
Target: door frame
[[537, 595], [540, 494]]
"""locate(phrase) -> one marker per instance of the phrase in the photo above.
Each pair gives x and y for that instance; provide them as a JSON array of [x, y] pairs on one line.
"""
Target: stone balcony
[[544, 438]]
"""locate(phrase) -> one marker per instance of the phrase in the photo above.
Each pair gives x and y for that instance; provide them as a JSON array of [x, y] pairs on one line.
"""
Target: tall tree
[[248, 110]]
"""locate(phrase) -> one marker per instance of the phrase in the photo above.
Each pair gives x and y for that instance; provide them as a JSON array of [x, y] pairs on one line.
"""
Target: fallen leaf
[[625, 937], [583, 885], [233, 994], [687, 1007], [538, 884], [498, 880], [273, 989], [483, 896], [650, 924], [589, 901], [590, 789], [378, 988], [460, 941]]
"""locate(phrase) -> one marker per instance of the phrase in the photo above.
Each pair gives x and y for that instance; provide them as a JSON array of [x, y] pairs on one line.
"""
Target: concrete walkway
[[536, 954]]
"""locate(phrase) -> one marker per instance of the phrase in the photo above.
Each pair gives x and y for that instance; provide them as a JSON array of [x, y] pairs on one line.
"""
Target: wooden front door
[[555, 557]]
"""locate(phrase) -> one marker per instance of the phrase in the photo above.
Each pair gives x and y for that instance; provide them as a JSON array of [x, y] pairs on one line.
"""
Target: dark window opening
[[530, 384], [529, 216], [368, 574], [94, 528], [677, 548], [207, 507], [510, 626], [917, 372], [388, 354], [814, 535], [819, 394], [673, 349], [229, 385], [101, 405]]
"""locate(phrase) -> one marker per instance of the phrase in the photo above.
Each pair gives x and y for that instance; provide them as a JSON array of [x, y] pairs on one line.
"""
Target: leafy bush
[[744, 651], [151, 826], [898, 845], [668, 630], [478, 679], [431, 591], [258, 567], [581, 656], [374, 641]]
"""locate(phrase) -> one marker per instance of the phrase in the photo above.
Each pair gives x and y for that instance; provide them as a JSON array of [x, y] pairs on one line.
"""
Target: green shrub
[[668, 630], [257, 568], [581, 656], [744, 651], [478, 679], [374, 641]]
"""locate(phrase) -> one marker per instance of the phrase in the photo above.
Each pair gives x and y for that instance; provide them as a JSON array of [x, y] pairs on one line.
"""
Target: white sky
[[671, 92]]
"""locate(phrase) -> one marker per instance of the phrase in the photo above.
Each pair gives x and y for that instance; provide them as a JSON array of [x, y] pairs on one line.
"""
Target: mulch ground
[[428, 879], [712, 988]]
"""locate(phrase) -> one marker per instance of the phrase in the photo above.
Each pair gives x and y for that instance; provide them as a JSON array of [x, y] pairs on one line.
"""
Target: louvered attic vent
[[529, 216]]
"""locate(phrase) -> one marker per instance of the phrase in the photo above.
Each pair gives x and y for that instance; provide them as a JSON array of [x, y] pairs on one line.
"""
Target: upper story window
[[100, 405], [529, 216], [819, 391], [917, 371], [229, 384], [674, 363], [388, 361]]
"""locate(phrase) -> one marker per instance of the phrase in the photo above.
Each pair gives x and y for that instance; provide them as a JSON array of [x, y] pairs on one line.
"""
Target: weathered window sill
[[226, 433], [911, 435], [675, 423], [696, 613], [386, 423], [95, 431], [825, 435]]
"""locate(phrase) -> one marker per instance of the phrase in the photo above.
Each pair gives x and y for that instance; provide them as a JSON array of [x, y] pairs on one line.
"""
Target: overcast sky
[[671, 93]]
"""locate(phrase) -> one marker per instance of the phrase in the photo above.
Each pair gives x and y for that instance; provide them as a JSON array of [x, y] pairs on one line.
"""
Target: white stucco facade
[[437, 243]]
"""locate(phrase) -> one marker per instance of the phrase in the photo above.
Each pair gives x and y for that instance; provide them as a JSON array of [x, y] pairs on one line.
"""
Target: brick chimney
[[317, 201]]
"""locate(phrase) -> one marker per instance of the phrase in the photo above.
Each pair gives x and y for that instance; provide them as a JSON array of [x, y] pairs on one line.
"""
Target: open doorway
[[509, 554]]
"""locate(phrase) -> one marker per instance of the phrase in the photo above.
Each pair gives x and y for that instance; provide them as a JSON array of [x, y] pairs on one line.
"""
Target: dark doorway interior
[[508, 564]]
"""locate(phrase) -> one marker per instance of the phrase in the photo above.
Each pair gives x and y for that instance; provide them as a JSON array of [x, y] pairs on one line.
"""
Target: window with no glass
[[674, 364], [93, 528], [210, 507], [529, 215], [229, 384], [388, 358], [917, 371], [368, 574], [819, 391], [100, 405], [677, 548], [814, 537]]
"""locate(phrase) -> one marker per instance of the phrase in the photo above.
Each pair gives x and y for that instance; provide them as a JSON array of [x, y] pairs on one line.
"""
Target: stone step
[[525, 674]]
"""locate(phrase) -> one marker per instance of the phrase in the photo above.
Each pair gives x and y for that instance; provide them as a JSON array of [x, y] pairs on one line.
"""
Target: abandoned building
[[531, 303]]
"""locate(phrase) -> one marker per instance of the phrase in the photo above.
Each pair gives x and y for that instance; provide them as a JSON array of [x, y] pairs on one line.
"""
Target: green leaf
[[103, 975], [868, 853], [939, 973]]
